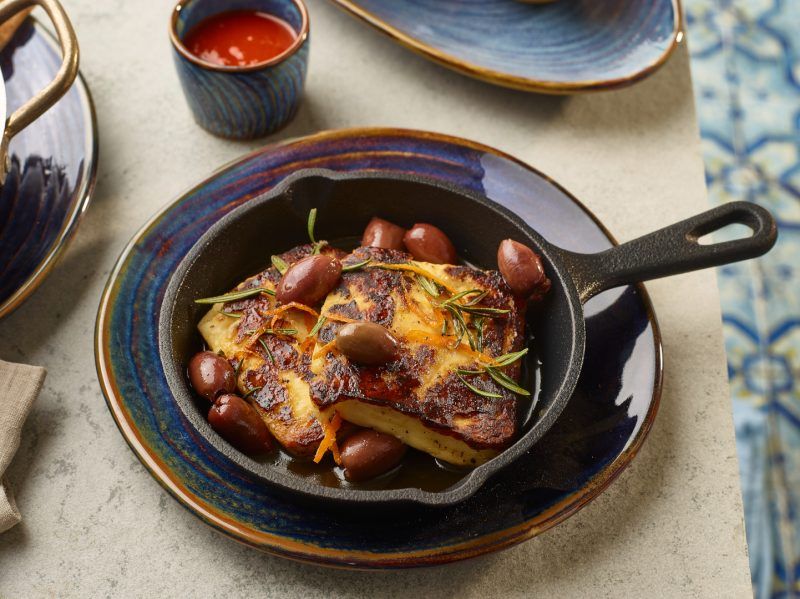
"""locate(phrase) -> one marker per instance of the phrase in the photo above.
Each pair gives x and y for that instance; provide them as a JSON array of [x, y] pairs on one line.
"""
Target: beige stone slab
[[97, 524]]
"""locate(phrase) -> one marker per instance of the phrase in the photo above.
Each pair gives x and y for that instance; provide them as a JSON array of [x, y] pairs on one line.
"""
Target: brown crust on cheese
[[300, 435], [446, 406]]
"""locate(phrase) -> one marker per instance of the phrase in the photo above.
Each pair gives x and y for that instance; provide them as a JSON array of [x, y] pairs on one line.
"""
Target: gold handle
[[42, 101]]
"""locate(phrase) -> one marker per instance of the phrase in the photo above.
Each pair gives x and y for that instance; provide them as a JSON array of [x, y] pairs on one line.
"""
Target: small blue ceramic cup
[[242, 102]]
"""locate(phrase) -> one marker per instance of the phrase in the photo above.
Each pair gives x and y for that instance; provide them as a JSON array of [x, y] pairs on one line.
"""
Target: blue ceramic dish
[[565, 47], [53, 167], [242, 102], [597, 435]]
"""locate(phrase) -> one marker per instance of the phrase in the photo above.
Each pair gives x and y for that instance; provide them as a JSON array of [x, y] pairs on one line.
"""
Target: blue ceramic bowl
[[52, 166], [242, 102], [564, 47]]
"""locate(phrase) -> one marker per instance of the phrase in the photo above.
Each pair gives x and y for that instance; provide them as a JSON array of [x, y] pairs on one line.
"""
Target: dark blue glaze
[[249, 102], [53, 164], [597, 435], [564, 46]]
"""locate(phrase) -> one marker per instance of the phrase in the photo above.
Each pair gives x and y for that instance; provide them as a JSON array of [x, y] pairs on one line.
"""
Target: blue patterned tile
[[746, 65]]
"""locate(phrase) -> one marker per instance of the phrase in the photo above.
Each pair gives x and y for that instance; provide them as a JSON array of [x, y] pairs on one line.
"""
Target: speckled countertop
[[96, 523]]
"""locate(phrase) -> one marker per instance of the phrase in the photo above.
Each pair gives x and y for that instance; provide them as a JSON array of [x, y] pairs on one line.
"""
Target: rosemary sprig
[[356, 266], [312, 221], [235, 295], [469, 307], [482, 310], [317, 326], [507, 359], [474, 389], [501, 378], [231, 314], [279, 264], [428, 286], [453, 299], [477, 299], [478, 324], [497, 375], [266, 349], [460, 326], [280, 332]]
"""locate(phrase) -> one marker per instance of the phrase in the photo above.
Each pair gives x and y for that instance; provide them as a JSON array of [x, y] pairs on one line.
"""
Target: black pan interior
[[240, 244]]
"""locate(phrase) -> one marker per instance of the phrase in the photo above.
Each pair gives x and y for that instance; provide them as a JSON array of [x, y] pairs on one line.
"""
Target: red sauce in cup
[[239, 38]]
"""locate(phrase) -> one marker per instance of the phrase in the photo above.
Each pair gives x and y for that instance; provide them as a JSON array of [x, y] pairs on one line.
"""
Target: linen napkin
[[19, 386]]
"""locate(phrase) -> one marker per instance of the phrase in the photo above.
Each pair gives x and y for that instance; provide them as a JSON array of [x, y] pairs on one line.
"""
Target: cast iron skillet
[[239, 245]]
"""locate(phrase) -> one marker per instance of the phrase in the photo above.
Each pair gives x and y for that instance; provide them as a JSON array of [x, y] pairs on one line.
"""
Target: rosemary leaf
[[477, 299], [317, 326], [482, 310], [280, 332], [462, 328], [312, 220], [235, 295], [474, 389], [231, 314], [356, 266], [501, 378], [507, 359], [458, 329], [444, 327], [453, 298], [266, 349], [465, 371], [478, 324], [279, 264], [428, 286]]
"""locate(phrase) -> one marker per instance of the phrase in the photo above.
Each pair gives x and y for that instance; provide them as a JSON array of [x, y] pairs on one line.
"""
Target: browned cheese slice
[[419, 397], [274, 368]]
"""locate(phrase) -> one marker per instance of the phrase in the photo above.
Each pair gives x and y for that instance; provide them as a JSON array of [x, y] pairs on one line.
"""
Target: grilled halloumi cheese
[[297, 383], [273, 366], [419, 397]]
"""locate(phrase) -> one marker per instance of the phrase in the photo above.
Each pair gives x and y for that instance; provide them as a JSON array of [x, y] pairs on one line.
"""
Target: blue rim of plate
[[500, 74], [599, 433], [64, 140]]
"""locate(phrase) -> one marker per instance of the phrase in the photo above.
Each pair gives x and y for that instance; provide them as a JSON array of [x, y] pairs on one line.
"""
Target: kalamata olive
[[240, 425], [368, 453], [428, 244], [211, 375], [366, 343], [309, 280], [383, 234], [521, 267]]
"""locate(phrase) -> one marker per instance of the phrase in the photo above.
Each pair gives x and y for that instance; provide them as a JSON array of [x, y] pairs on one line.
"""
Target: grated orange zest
[[329, 440]]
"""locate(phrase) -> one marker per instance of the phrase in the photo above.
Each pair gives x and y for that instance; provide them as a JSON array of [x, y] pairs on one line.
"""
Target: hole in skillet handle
[[675, 249], [271, 223], [726, 233]]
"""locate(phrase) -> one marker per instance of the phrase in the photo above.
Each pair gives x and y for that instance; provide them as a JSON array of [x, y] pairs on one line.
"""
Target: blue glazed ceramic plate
[[568, 46], [53, 167], [598, 434]]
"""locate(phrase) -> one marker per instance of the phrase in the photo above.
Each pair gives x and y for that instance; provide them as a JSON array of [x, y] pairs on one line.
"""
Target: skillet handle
[[674, 250]]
